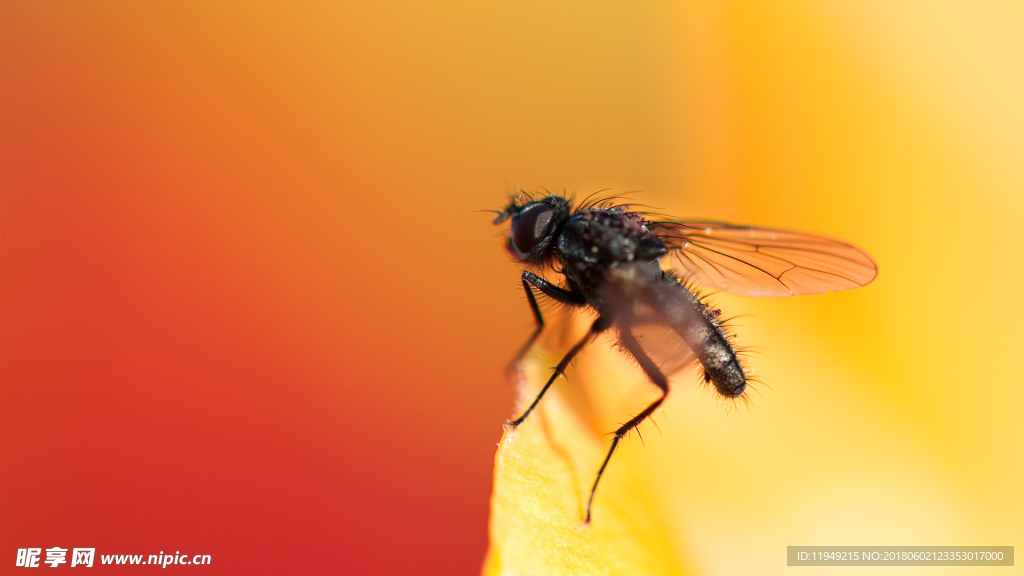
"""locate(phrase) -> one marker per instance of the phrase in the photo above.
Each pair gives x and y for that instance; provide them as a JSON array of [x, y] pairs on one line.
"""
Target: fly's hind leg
[[530, 281], [629, 342], [600, 325]]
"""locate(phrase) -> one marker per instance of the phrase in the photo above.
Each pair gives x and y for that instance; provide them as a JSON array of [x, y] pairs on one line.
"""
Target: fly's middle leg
[[629, 342]]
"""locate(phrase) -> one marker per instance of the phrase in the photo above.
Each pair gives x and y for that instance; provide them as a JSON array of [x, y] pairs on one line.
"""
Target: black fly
[[610, 260]]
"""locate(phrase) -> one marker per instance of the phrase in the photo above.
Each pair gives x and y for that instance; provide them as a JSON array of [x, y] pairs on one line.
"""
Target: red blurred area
[[229, 324]]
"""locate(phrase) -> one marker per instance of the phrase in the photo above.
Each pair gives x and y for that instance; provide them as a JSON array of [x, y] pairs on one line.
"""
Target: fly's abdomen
[[687, 316], [721, 367]]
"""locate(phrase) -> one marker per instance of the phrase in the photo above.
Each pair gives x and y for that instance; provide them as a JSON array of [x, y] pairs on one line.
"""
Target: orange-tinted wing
[[752, 261]]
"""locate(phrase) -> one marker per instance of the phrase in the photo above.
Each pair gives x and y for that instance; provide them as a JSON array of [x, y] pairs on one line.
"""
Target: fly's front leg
[[631, 345], [600, 325], [530, 281]]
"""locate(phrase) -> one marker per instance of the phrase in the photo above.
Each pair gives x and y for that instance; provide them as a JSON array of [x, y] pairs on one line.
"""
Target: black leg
[[630, 343], [550, 290], [599, 325]]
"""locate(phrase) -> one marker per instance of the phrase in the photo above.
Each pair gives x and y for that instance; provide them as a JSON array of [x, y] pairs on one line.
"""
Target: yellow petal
[[544, 470]]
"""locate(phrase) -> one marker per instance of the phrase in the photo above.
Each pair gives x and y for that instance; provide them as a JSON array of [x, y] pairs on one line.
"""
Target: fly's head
[[536, 225]]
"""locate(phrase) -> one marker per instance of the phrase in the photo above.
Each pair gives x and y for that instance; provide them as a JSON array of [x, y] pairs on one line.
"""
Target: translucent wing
[[657, 339], [752, 261], [664, 346]]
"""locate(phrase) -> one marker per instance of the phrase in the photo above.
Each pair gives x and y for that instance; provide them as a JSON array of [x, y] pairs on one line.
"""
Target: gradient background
[[248, 310]]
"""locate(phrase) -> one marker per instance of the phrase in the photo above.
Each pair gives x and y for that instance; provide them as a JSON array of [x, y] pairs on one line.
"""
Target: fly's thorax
[[609, 253], [607, 237]]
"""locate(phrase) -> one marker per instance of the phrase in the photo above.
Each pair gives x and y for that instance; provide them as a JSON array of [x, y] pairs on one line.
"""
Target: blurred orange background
[[248, 309]]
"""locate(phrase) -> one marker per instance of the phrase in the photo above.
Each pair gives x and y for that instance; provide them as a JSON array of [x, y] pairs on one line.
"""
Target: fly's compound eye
[[528, 226]]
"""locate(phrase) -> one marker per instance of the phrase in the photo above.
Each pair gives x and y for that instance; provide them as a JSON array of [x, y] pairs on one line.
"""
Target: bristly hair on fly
[[519, 198], [727, 326]]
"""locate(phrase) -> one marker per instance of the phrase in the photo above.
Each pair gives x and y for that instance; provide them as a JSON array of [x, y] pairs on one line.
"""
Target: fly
[[609, 258]]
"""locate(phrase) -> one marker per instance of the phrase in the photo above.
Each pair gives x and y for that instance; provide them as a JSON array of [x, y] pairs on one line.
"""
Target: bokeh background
[[248, 309]]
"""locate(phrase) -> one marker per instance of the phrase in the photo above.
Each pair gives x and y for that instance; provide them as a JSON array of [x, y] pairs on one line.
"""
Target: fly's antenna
[[517, 199], [502, 215]]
